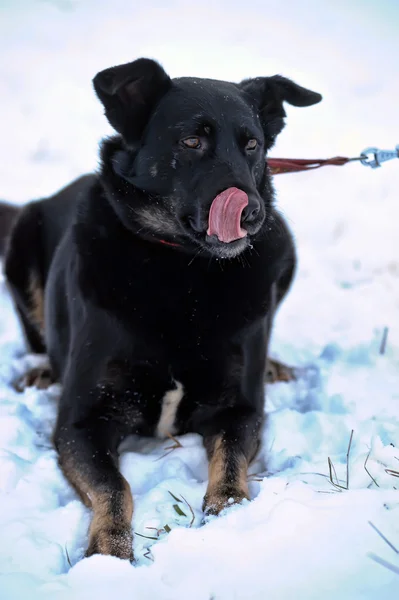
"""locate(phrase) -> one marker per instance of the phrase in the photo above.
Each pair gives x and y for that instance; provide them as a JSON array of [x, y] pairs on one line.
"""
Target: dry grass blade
[[332, 470], [320, 475], [175, 440], [347, 460], [383, 563], [191, 510], [165, 454], [170, 449], [255, 477], [148, 555], [175, 497], [383, 344], [148, 537], [392, 472], [179, 510], [367, 471], [313, 473], [164, 529], [67, 555], [382, 536]]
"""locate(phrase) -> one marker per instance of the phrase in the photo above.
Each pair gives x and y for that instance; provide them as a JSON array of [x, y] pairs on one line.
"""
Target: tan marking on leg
[[216, 466], [242, 479], [110, 531], [222, 490], [76, 479], [277, 371], [170, 404], [36, 292]]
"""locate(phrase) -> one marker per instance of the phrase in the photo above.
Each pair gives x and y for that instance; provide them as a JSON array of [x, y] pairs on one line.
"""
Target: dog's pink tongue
[[225, 215]]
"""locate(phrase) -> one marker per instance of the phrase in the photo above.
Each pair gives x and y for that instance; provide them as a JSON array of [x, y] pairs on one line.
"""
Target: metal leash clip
[[377, 156]]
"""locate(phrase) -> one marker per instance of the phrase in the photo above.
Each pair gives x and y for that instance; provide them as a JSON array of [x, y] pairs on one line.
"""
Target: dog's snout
[[251, 211], [195, 223]]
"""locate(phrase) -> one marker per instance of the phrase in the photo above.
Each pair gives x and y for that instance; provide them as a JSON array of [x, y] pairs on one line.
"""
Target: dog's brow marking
[[170, 404], [154, 170]]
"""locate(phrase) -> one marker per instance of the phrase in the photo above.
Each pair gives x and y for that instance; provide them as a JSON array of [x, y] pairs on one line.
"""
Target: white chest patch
[[170, 404]]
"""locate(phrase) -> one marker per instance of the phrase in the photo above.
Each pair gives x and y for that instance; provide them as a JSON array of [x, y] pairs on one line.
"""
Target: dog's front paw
[[116, 541], [277, 371], [38, 377], [214, 503]]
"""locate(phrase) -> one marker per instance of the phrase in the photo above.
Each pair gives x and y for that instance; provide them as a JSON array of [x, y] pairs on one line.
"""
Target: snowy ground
[[301, 537]]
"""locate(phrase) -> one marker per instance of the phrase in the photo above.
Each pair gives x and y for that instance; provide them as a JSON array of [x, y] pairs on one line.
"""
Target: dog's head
[[189, 166]]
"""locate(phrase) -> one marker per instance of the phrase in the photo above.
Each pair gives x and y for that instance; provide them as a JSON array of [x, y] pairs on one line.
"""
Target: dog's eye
[[192, 142], [251, 144]]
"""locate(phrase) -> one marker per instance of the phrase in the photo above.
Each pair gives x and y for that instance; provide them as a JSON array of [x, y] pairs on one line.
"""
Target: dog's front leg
[[88, 458], [230, 451]]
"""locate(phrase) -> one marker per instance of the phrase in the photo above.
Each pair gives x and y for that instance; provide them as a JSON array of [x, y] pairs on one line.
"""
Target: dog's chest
[[163, 394], [169, 405], [179, 331], [182, 307], [155, 406], [169, 295]]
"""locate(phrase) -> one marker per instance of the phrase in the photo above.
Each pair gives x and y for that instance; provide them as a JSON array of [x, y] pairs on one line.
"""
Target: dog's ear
[[269, 94], [130, 93]]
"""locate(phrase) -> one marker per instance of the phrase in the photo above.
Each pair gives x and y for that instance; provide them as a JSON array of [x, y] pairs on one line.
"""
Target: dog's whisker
[[195, 256]]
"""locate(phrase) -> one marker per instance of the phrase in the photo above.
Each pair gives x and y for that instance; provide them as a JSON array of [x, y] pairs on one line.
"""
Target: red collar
[[168, 243]]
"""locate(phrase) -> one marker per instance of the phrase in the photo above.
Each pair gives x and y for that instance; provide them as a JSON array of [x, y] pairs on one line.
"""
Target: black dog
[[152, 286], [8, 214]]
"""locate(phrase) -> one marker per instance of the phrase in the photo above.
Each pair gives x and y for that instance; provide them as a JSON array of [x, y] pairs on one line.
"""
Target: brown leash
[[371, 157]]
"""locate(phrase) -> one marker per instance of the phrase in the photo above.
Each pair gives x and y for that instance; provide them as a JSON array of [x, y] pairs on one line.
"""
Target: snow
[[300, 537]]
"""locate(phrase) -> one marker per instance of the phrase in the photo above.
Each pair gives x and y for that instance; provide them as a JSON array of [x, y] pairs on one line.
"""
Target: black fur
[[8, 214], [138, 296]]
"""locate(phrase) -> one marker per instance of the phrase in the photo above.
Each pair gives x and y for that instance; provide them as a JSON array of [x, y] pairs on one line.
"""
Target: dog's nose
[[251, 211]]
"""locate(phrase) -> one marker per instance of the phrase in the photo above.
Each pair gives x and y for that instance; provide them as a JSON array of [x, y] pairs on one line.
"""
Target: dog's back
[[8, 214], [54, 215], [34, 233]]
